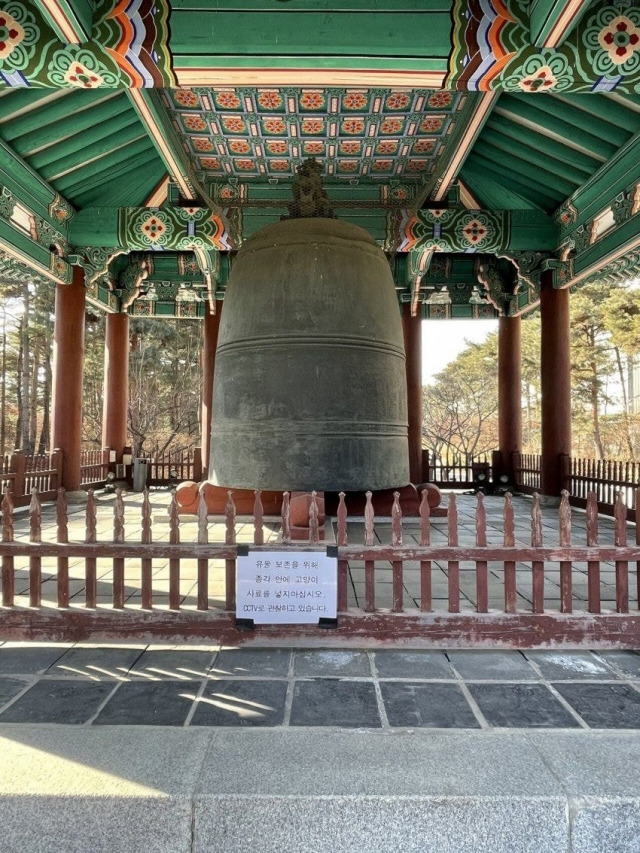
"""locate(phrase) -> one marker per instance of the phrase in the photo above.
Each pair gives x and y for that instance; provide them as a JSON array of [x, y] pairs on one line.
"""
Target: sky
[[442, 340]]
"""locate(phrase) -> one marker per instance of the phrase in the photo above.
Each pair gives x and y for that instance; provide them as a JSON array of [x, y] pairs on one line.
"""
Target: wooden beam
[[71, 20], [477, 110], [551, 21]]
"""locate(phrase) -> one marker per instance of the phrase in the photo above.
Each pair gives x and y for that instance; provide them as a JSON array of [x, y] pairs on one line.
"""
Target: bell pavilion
[[491, 150]]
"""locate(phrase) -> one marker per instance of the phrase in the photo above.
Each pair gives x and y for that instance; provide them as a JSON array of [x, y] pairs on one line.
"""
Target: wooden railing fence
[[451, 470], [94, 466], [176, 466], [24, 475], [485, 563]]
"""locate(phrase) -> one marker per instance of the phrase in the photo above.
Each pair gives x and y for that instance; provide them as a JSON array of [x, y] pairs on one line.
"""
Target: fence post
[[56, 467], [565, 473], [197, 464], [17, 467]]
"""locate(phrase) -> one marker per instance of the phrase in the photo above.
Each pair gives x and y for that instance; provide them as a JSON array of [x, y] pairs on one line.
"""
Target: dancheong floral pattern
[[492, 50], [129, 48], [371, 134]]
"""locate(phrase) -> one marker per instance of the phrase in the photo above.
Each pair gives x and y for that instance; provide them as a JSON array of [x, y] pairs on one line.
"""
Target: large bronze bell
[[310, 385]]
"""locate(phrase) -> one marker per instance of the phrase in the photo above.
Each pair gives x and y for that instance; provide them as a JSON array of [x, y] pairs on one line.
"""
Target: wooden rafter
[[70, 19], [551, 21]]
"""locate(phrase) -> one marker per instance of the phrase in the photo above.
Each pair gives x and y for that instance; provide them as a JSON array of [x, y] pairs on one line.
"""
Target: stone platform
[[188, 749]]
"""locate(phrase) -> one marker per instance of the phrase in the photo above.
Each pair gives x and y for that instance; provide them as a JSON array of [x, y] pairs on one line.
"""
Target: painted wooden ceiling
[[527, 106]]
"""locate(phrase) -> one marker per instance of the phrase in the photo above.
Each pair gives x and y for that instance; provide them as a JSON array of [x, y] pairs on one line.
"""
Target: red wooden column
[[210, 328], [509, 392], [555, 374], [68, 355], [116, 383], [412, 330]]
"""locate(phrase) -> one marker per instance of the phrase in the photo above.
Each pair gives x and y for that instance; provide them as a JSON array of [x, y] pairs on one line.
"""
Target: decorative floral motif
[[354, 101], [543, 78], [11, 34], [474, 231], [397, 101], [186, 98], [439, 100], [391, 125], [353, 126], [277, 146], [79, 69], [228, 193], [239, 146], [227, 100], [270, 100], [274, 125], [417, 165], [234, 124], [313, 148], [349, 147], [424, 146], [399, 193], [432, 124], [387, 146], [19, 35], [201, 143], [382, 165], [210, 163], [621, 39], [194, 122], [312, 126], [280, 165], [312, 101], [153, 228], [544, 72], [348, 165], [245, 165]]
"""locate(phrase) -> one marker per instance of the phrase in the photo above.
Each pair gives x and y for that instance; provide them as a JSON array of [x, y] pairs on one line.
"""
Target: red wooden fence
[[490, 563], [24, 475], [94, 466]]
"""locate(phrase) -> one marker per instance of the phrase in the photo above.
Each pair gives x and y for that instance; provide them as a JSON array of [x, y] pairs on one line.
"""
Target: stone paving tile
[[273, 663], [559, 665], [149, 703], [84, 661], [173, 663], [493, 665], [422, 705], [333, 702], [50, 701], [21, 659], [241, 703], [417, 664], [626, 661], [10, 687], [603, 706], [521, 706], [331, 663]]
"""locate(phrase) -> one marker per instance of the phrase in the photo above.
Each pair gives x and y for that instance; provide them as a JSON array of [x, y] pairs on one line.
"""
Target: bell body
[[310, 383]]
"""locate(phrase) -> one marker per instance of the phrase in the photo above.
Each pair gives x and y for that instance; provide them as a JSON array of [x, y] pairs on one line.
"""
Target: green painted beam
[[164, 138], [84, 144], [557, 150], [615, 133], [110, 164], [129, 189], [94, 157], [36, 140], [343, 33], [431, 6], [596, 194], [526, 172], [522, 110], [26, 183], [73, 103], [553, 20], [609, 246], [536, 159], [17, 242], [71, 20], [490, 194], [519, 183]]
